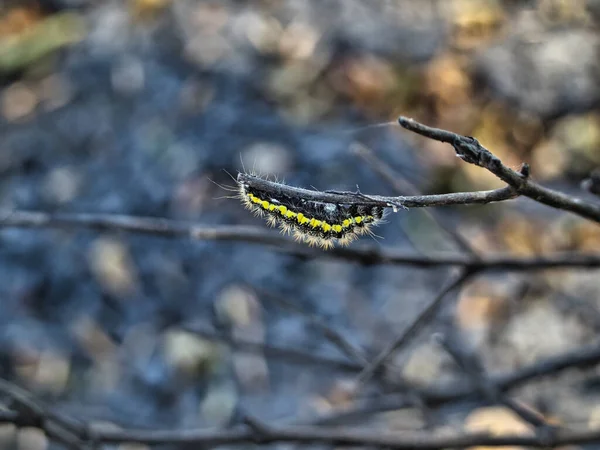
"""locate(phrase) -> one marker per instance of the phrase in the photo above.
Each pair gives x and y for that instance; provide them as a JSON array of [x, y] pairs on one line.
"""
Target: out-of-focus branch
[[367, 255], [75, 434], [470, 150], [29, 412], [351, 437], [288, 354], [436, 396], [472, 366], [418, 323], [334, 336]]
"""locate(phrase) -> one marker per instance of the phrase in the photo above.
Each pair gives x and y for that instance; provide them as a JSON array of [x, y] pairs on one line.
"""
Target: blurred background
[[136, 107]]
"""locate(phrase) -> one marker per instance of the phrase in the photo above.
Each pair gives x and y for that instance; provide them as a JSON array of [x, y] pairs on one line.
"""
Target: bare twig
[[402, 186], [32, 413], [368, 255], [75, 435], [472, 366], [583, 309], [592, 183], [471, 151], [289, 354], [414, 201], [421, 320], [335, 337], [436, 396], [583, 357], [341, 437]]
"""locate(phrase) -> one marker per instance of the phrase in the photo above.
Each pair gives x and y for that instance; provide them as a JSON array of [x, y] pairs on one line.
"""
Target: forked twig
[[421, 320], [470, 150]]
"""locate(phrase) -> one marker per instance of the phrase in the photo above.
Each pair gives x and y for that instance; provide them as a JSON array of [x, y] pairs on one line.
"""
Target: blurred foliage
[[26, 37]]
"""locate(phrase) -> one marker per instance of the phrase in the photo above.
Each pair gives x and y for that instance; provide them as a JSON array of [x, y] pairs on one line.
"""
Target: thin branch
[[592, 183], [265, 434], [289, 354], [244, 435], [32, 413], [471, 151], [343, 437], [402, 185], [413, 201], [581, 358], [472, 366], [584, 357], [584, 309], [367, 255], [420, 321], [436, 396], [335, 337]]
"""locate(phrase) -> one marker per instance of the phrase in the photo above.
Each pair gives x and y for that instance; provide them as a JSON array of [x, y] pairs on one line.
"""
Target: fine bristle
[[315, 223]]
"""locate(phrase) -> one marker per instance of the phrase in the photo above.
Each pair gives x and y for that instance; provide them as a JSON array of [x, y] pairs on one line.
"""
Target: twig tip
[[404, 121]]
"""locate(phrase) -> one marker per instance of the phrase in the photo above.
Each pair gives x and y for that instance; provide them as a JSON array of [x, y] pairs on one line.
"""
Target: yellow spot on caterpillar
[[358, 219], [290, 214], [283, 210], [336, 228], [302, 219], [265, 204], [346, 223], [272, 207], [326, 227]]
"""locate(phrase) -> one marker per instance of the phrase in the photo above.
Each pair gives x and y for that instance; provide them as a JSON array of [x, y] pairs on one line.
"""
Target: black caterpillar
[[306, 214]]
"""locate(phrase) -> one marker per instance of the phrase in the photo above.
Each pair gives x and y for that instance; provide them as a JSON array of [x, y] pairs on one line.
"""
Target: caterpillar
[[313, 217]]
